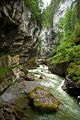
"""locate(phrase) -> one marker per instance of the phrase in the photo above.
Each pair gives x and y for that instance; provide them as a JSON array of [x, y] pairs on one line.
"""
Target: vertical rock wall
[[18, 32]]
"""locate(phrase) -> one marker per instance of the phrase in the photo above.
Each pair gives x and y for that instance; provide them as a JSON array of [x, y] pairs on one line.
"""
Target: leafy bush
[[76, 33], [47, 16], [68, 35], [68, 49], [35, 7]]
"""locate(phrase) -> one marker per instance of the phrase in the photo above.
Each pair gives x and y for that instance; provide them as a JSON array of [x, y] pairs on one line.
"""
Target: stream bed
[[69, 108]]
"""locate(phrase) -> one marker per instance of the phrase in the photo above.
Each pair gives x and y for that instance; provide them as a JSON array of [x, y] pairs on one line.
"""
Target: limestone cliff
[[18, 32]]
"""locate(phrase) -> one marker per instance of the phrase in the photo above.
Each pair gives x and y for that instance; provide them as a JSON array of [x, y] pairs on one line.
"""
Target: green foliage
[[68, 35], [35, 7], [78, 9], [76, 33], [66, 53], [68, 49], [47, 16], [4, 71], [74, 71]]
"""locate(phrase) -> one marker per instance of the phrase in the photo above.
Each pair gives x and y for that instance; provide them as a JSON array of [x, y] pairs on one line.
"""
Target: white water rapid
[[69, 108]]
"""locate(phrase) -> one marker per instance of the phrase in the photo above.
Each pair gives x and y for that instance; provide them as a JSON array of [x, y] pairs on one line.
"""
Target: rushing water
[[69, 108]]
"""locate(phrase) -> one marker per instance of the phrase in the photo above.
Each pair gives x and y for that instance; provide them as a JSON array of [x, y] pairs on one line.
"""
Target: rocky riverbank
[[26, 93]]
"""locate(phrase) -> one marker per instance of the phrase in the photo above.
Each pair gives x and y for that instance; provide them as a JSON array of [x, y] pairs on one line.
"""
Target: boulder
[[29, 77], [42, 100], [71, 87], [59, 69], [15, 90]]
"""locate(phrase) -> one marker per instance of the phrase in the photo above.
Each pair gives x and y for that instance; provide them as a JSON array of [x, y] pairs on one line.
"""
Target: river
[[69, 108]]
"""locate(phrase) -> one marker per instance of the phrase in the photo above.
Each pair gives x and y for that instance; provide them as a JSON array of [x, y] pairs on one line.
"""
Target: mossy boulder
[[72, 81], [41, 99], [74, 72], [5, 72]]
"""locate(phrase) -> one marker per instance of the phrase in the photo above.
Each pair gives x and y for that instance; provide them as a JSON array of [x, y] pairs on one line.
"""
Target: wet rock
[[29, 77], [16, 89], [42, 100], [71, 87], [43, 77], [59, 69]]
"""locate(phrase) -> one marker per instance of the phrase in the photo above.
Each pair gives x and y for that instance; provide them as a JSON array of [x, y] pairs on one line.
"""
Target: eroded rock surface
[[18, 32]]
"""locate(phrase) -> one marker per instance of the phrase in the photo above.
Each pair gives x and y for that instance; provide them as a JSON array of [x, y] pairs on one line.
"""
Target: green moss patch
[[41, 99], [4, 72], [74, 71]]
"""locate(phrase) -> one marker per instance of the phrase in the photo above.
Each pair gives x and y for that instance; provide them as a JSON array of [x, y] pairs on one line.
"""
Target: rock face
[[7, 112], [41, 99], [8, 60], [47, 36], [59, 69], [18, 33], [71, 87], [60, 11], [7, 77]]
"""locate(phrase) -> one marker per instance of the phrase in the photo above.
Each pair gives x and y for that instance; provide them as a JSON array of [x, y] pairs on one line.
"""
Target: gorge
[[39, 60]]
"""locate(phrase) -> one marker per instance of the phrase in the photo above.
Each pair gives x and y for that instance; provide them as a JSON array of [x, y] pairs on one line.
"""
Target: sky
[[46, 2]]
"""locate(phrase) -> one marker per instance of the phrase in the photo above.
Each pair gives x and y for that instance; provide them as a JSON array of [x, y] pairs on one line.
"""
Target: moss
[[7, 78], [33, 94], [21, 105], [74, 71], [76, 33], [35, 8], [41, 99], [21, 102], [4, 72]]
